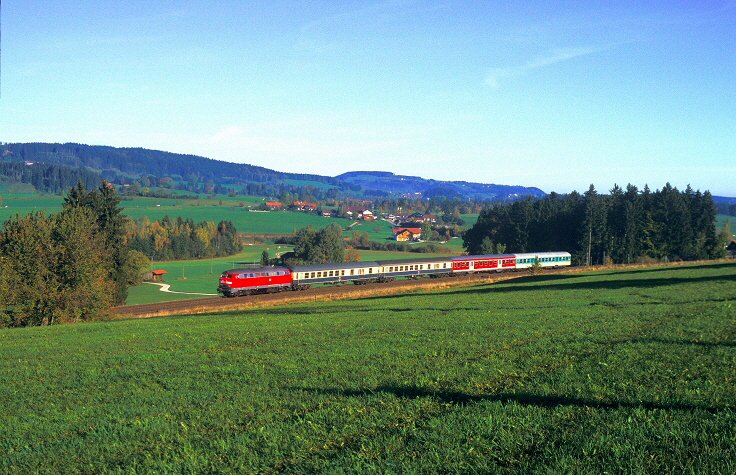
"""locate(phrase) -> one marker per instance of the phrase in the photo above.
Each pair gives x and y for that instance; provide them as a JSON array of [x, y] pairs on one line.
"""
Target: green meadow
[[237, 210], [619, 372]]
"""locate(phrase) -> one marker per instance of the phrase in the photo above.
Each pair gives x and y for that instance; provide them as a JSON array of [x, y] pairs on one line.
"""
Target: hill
[[118, 163], [429, 188], [191, 172]]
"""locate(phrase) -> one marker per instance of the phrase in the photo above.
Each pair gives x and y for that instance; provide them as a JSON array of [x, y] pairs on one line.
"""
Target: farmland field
[[199, 210], [609, 372]]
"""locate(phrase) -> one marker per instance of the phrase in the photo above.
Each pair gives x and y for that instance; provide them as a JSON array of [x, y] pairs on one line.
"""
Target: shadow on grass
[[523, 399], [707, 344], [557, 283]]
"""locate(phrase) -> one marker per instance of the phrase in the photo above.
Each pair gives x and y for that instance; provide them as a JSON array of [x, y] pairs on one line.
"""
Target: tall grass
[[612, 372]]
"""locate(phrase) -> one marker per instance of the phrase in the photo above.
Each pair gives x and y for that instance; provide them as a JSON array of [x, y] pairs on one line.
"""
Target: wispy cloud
[[552, 57], [321, 34]]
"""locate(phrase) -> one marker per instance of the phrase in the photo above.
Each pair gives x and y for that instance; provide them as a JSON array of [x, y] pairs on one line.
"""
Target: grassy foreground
[[613, 372]]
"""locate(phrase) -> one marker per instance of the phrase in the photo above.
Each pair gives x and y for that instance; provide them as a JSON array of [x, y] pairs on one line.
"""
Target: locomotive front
[[251, 280]]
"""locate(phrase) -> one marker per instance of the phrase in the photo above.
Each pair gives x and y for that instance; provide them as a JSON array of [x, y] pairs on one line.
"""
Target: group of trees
[[182, 239], [68, 266], [319, 247], [76, 264], [728, 209], [47, 178], [620, 227]]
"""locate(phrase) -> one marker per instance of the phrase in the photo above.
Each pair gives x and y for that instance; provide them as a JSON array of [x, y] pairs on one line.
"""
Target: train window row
[[333, 273], [544, 259], [262, 274], [416, 267]]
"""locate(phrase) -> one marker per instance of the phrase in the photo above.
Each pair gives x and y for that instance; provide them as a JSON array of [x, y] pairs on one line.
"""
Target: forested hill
[[404, 184], [124, 165], [132, 162]]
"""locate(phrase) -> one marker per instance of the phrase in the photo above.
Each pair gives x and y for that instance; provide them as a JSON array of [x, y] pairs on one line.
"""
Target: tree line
[[47, 178], [180, 238], [621, 227]]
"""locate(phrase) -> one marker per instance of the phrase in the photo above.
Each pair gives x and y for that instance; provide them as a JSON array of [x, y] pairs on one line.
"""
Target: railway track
[[346, 291], [326, 293]]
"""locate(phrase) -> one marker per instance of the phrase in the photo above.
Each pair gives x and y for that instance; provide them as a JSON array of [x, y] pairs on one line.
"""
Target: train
[[252, 280]]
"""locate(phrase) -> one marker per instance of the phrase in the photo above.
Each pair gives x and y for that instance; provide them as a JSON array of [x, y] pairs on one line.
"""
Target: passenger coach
[[483, 263], [546, 259], [357, 272], [414, 268]]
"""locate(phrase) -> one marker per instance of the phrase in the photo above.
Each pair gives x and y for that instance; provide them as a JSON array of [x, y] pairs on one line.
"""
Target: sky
[[557, 95]]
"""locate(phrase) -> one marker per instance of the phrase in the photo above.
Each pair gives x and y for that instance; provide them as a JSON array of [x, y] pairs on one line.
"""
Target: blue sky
[[556, 95]]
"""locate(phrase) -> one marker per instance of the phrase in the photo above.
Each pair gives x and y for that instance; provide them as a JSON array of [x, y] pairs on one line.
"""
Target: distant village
[[406, 227]]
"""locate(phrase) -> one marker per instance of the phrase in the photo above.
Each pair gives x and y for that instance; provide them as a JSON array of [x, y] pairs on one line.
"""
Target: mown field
[[609, 372]]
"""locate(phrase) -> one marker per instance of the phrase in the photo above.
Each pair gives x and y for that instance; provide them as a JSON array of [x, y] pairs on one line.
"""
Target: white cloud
[[550, 58]]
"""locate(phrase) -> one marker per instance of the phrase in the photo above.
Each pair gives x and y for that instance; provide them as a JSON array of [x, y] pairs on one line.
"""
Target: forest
[[623, 226], [48, 178], [179, 238], [120, 163]]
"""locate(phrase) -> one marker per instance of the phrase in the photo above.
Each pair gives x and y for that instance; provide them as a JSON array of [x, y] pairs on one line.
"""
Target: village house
[[303, 206], [359, 212], [406, 233], [420, 218]]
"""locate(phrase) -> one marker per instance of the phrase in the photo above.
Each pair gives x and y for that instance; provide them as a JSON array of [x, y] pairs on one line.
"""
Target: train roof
[[418, 260], [334, 265], [524, 255], [253, 270], [485, 256]]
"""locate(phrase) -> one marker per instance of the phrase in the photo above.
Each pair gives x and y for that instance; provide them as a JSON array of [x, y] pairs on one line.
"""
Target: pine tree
[[104, 203]]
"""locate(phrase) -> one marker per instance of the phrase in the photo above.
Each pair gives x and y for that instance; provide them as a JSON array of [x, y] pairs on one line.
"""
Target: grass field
[[610, 372]]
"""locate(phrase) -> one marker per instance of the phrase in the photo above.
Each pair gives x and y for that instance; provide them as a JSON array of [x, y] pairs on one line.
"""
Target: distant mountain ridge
[[428, 188]]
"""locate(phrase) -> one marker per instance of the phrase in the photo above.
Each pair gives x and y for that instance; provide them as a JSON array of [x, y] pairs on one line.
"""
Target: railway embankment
[[347, 291]]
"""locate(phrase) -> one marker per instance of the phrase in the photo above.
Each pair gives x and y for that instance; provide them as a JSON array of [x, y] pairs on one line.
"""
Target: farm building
[[157, 275]]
